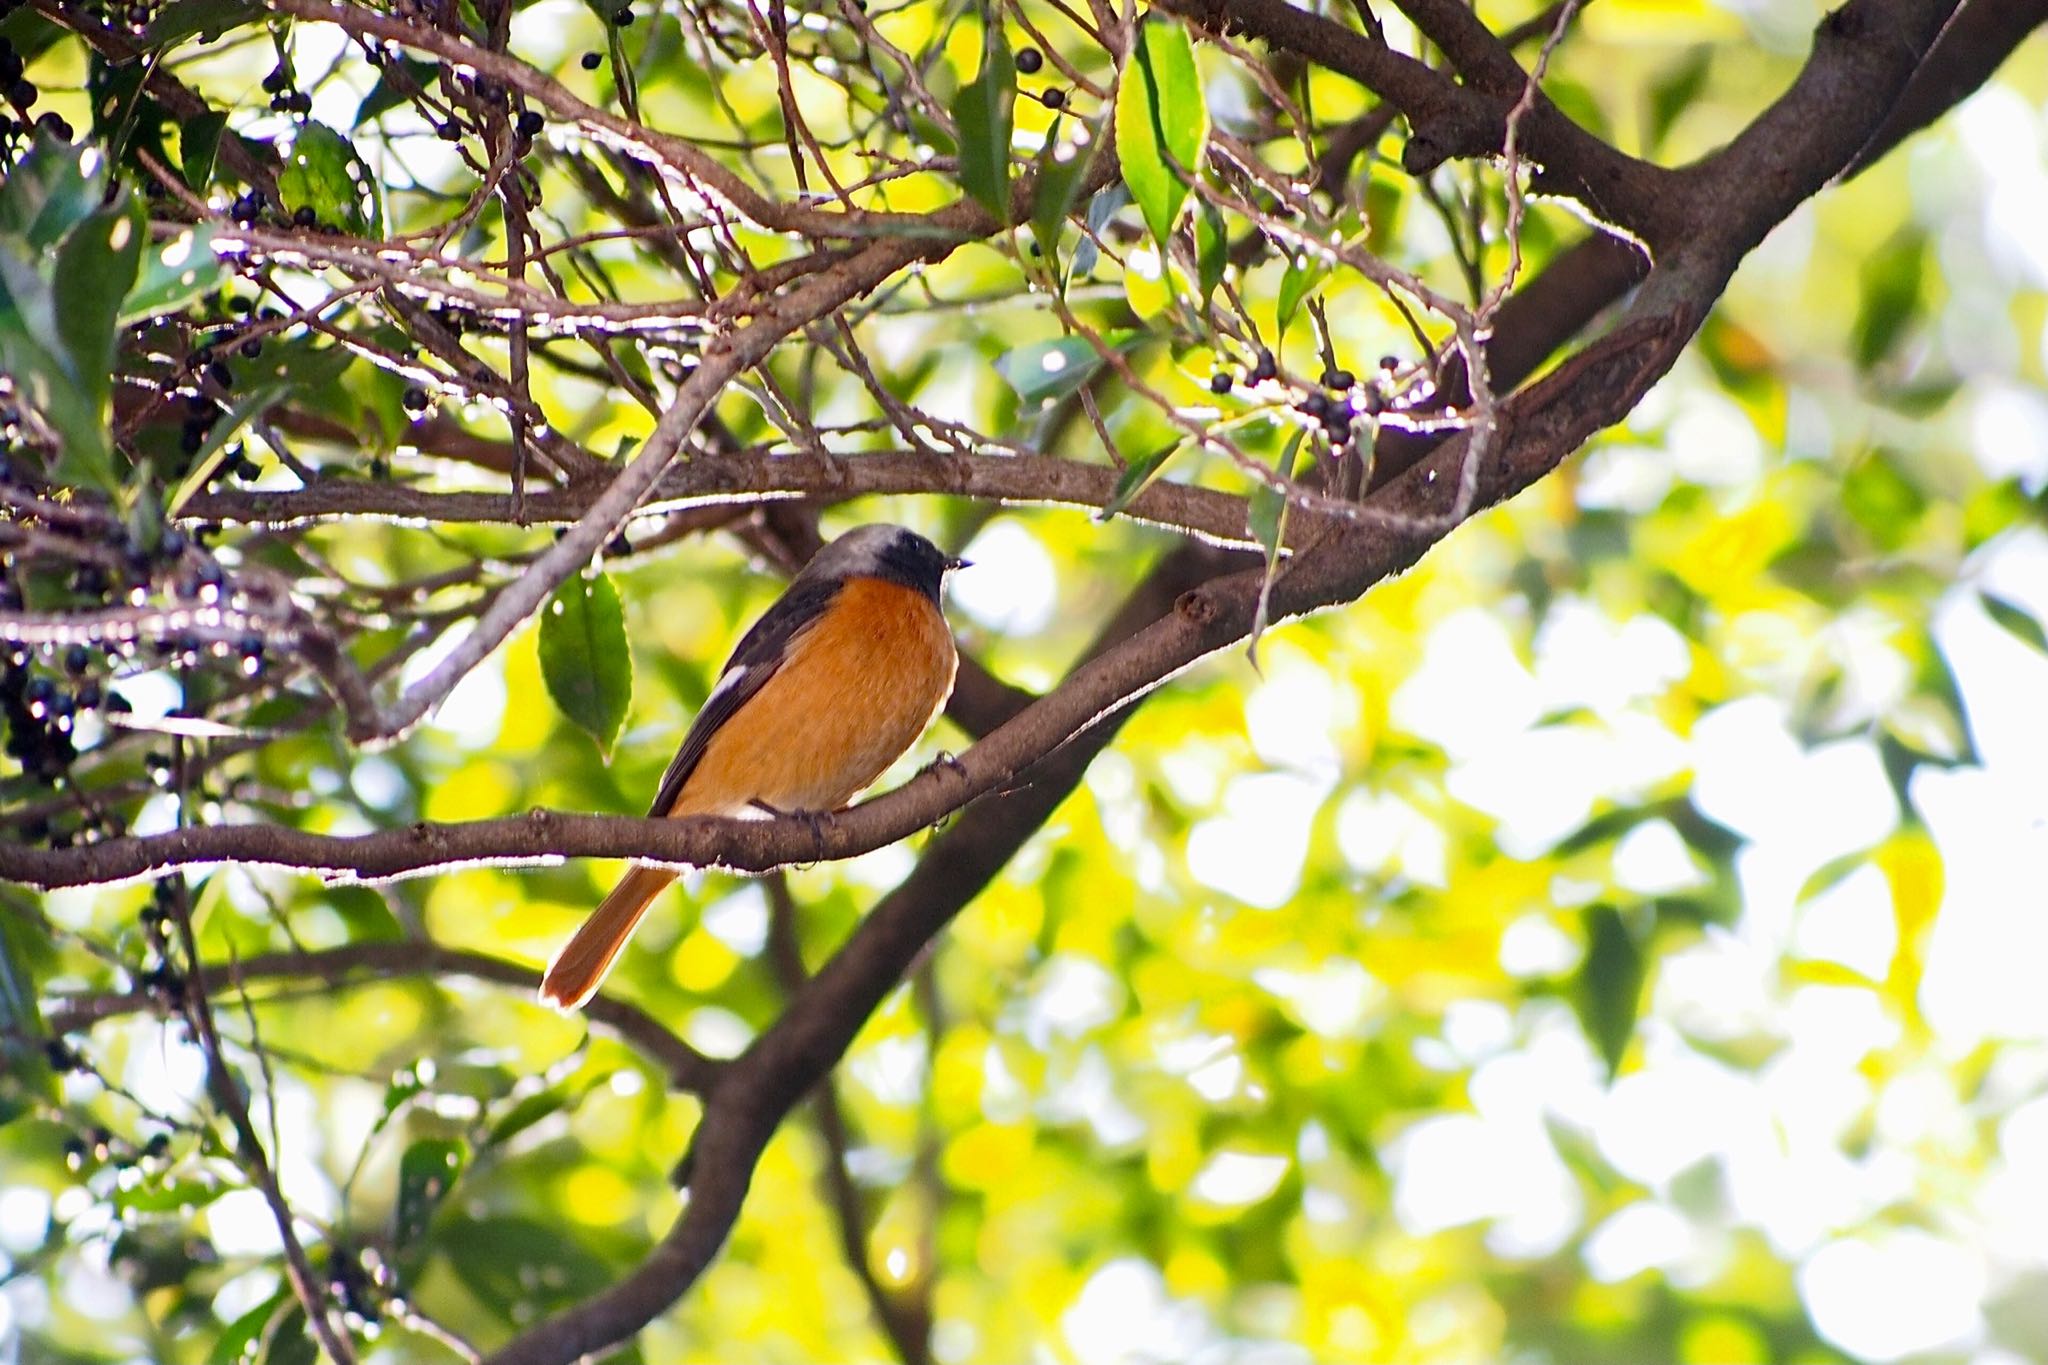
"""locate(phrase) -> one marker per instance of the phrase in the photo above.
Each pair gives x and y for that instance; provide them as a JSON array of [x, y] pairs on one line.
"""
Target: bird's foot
[[820, 821]]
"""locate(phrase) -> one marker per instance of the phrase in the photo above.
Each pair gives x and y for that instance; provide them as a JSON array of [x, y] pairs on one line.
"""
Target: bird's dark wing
[[754, 661]]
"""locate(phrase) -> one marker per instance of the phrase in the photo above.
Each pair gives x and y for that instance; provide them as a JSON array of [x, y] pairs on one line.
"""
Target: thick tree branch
[[1864, 54], [1975, 44], [1452, 121]]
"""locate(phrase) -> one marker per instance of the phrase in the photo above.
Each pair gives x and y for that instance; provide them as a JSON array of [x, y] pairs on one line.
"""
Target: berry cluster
[[285, 98], [1029, 62], [39, 713], [21, 92], [1334, 404]]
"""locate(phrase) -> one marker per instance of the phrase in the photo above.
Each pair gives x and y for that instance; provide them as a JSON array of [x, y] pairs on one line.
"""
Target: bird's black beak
[[957, 563]]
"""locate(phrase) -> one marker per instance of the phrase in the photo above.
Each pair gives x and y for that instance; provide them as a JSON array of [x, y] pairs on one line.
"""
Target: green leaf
[[1136, 476], [388, 93], [182, 19], [1061, 168], [57, 334], [239, 1340], [982, 110], [1212, 249], [1831, 874], [1266, 519], [289, 1341], [253, 402], [2016, 620], [324, 173], [1162, 122], [1608, 990], [49, 192], [1107, 203], [531, 1109], [297, 366], [584, 659], [114, 90], [1891, 278], [199, 147], [171, 1196], [426, 1173], [33, 353], [174, 274], [1266, 508], [521, 1267], [1882, 500], [1672, 93], [1046, 370], [27, 1070], [96, 267], [1304, 273]]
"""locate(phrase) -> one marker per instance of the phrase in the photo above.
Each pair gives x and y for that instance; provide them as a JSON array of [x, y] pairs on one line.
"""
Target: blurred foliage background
[[1615, 940]]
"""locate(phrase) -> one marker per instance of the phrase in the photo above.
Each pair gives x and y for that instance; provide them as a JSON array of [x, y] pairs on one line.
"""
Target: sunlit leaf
[[1162, 123], [174, 274]]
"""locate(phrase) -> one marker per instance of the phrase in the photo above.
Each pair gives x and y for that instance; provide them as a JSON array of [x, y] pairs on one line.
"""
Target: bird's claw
[[819, 821]]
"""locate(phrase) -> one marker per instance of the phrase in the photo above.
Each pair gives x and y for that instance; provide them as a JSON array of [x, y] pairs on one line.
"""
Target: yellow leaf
[[987, 1155]]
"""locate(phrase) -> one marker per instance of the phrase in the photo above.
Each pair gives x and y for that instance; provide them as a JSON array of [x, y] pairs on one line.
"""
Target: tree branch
[[753, 476], [1452, 121], [686, 1068], [1976, 43]]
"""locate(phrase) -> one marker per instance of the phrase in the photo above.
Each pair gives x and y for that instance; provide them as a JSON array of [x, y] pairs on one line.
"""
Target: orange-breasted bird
[[833, 684]]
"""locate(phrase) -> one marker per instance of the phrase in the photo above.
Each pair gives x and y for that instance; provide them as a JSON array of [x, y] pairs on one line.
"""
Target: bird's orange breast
[[856, 689]]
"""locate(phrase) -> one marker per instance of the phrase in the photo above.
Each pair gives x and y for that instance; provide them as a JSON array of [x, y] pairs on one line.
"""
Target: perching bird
[[833, 684]]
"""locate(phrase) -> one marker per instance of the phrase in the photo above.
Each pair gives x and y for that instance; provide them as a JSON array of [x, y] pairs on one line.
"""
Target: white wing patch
[[731, 679]]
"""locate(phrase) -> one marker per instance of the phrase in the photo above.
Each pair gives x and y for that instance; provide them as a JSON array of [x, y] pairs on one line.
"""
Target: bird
[[835, 681]]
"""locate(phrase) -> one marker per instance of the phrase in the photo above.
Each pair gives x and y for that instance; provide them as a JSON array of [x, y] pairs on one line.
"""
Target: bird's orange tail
[[574, 975]]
